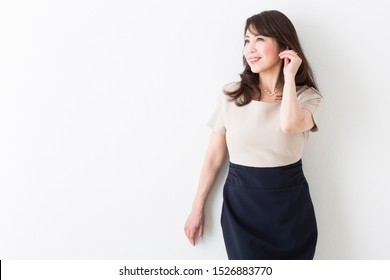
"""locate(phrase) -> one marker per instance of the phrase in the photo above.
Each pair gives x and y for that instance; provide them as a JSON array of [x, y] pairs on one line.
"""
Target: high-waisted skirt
[[267, 213]]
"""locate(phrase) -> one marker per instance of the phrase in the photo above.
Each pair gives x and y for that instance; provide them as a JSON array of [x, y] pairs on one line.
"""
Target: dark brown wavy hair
[[276, 25]]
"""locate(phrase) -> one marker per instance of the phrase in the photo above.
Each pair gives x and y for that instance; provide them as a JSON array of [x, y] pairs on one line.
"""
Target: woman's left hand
[[292, 61]]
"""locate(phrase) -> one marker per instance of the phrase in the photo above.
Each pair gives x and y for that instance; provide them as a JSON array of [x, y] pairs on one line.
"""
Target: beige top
[[253, 134]]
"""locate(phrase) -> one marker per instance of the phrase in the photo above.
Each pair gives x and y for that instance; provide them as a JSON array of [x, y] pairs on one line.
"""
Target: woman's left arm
[[293, 118]]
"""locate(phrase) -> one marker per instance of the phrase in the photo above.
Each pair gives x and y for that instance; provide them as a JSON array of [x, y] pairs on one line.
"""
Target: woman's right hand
[[194, 225]]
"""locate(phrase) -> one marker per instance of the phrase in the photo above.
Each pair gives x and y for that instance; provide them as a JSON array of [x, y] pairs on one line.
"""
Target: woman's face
[[261, 53]]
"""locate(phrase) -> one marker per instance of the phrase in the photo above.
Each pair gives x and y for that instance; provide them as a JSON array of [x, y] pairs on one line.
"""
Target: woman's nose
[[251, 48]]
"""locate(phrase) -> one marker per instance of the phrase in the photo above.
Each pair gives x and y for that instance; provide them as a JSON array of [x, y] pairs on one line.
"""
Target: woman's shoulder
[[309, 97], [306, 90]]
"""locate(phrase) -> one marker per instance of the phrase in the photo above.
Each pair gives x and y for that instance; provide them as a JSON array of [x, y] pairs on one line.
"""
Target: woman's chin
[[255, 70]]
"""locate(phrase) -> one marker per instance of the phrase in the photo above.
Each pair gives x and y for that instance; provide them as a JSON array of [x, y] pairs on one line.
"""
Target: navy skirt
[[267, 213]]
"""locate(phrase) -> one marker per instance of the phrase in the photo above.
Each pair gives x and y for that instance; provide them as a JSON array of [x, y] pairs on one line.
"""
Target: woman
[[263, 122]]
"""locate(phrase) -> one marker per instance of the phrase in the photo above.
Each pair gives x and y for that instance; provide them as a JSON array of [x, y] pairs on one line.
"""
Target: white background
[[103, 106]]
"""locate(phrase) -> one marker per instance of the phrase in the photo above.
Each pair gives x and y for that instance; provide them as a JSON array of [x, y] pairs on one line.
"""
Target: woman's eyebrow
[[254, 35]]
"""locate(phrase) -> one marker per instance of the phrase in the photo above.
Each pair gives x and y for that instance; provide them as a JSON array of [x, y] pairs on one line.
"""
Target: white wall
[[103, 106]]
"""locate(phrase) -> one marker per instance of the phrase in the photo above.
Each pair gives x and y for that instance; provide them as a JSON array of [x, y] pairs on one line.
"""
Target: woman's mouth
[[253, 60]]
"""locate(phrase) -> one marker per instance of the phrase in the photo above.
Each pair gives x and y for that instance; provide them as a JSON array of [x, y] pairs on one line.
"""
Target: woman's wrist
[[289, 78], [198, 206]]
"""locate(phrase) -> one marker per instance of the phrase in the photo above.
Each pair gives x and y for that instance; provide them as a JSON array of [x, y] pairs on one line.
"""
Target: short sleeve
[[310, 99], [217, 120]]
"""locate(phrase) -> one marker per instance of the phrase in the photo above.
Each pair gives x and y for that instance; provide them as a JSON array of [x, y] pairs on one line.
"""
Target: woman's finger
[[191, 237], [200, 233], [190, 232], [289, 52]]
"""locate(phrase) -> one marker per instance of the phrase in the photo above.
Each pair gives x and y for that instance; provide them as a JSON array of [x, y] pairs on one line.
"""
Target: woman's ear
[[283, 47]]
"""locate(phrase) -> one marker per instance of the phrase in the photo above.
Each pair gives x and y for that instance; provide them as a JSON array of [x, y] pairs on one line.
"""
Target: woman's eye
[[259, 39], [246, 42]]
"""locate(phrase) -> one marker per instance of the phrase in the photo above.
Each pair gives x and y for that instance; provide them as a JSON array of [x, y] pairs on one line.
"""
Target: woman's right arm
[[215, 156]]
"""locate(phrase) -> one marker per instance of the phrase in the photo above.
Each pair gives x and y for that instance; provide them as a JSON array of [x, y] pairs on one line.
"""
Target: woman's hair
[[276, 25]]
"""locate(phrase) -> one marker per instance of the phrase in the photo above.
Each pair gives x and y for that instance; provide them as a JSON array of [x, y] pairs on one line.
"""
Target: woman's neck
[[269, 80]]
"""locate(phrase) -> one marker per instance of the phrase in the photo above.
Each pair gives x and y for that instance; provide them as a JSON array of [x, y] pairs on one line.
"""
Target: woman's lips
[[253, 60]]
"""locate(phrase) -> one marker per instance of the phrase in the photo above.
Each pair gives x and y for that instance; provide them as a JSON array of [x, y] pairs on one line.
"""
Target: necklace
[[270, 94]]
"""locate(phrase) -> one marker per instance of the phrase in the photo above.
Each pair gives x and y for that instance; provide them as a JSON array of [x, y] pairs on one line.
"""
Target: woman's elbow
[[292, 128], [288, 128], [218, 159]]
